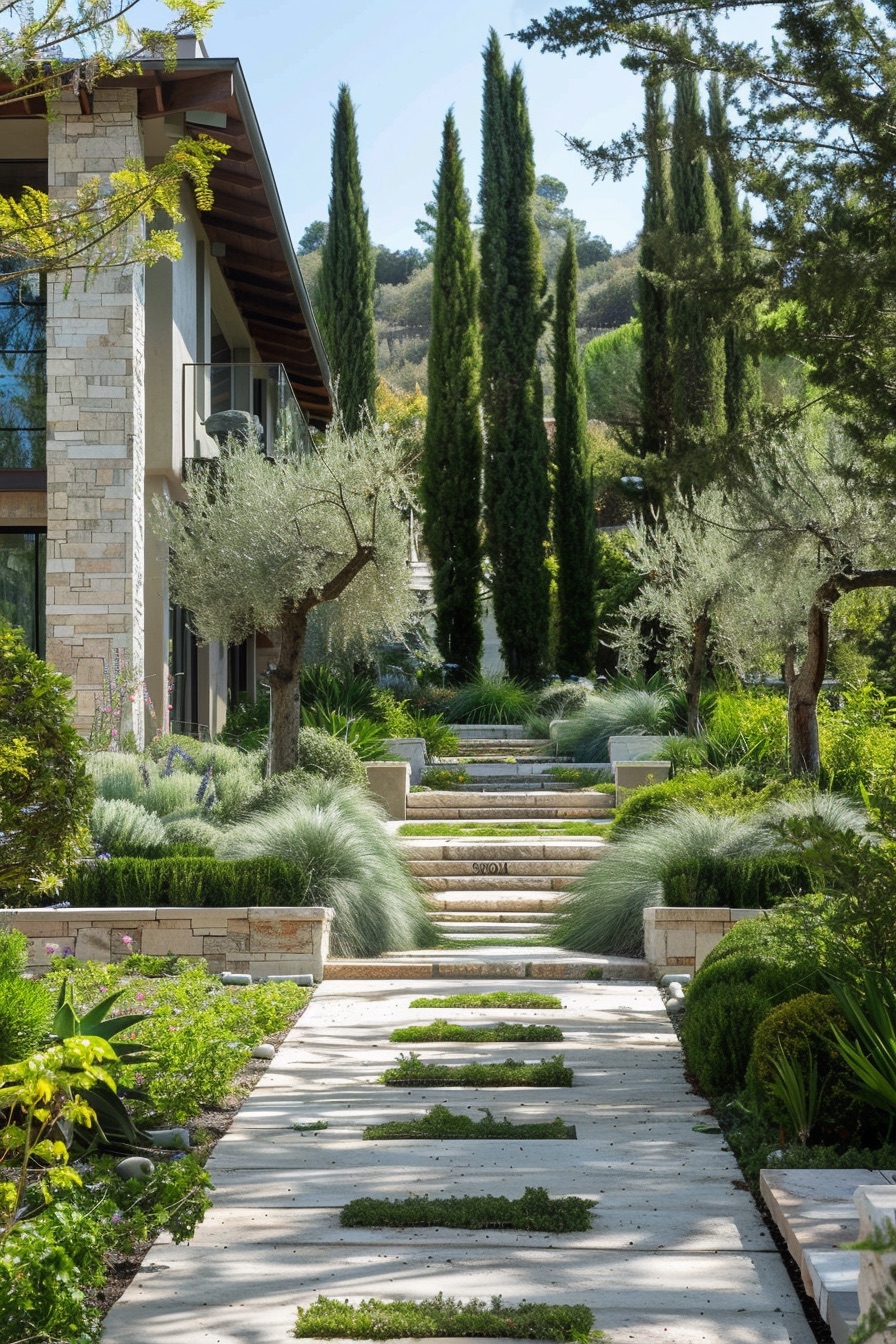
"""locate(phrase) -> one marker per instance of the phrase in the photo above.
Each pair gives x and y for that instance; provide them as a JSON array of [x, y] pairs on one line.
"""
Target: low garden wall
[[258, 940], [677, 938]]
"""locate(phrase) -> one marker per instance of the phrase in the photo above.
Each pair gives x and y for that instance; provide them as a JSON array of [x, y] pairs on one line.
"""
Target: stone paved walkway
[[677, 1252]]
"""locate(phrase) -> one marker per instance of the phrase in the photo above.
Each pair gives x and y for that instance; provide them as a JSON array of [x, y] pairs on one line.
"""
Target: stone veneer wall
[[677, 938], [260, 940], [876, 1207], [95, 426]]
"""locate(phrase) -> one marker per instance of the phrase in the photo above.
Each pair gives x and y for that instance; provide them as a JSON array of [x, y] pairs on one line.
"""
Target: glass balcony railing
[[237, 401]]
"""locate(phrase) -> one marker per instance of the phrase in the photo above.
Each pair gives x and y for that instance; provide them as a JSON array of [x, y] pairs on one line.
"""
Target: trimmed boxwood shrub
[[189, 882], [801, 1029], [725, 1005], [741, 884]]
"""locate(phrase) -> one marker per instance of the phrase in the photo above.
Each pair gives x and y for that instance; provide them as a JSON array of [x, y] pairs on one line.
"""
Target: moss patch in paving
[[445, 1316], [534, 1211], [440, 1030], [410, 1071], [440, 1123], [499, 998]]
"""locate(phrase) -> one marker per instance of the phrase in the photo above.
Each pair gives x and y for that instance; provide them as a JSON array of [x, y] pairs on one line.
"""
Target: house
[[109, 390]]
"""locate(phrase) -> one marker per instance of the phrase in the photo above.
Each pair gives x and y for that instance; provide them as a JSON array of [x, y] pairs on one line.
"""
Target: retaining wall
[[260, 940], [677, 938]]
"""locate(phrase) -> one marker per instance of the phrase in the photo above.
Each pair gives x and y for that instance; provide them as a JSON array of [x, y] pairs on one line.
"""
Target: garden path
[[677, 1252]]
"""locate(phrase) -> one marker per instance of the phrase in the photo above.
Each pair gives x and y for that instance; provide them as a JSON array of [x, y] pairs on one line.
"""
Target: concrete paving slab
[[676, 1251]]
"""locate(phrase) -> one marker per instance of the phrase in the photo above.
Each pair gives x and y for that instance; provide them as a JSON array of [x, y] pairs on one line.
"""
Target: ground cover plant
[[160, 1051], [499, 998], [440, 1316], [534, 1211], [440, 1123], [411, 1071], [482, 830], [582, 777], [441, 1030]]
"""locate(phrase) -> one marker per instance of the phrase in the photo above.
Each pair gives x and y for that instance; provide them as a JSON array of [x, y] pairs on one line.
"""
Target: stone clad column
[[95, 427]]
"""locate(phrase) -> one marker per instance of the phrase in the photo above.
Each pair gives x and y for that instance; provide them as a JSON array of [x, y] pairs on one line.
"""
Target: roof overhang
[[246, 225]]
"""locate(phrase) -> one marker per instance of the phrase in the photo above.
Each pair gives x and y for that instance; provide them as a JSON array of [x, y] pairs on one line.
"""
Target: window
[[23, 584], [23, 343]]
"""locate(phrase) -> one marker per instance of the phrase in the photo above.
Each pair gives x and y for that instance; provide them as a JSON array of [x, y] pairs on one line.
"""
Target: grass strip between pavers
[[440, 1123], [445, 1316], [410, 1071], [499, 998], [440, 1030], [481, 830], [534, 1211]]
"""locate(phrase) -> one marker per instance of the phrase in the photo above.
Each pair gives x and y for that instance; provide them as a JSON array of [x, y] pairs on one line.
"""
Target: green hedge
[[189, 882], [742, 884]]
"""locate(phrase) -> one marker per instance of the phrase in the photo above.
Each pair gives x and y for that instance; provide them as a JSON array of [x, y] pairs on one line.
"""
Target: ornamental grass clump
[[586, 736], [534, 1211], [440, 1123], [441, 1317], [124, 829], [334, 834], [410, 1071], [441, 1030], [492, 699]]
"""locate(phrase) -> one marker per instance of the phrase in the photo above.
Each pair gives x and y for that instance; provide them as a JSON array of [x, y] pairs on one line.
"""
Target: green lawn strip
[[440, 1123], [441, 1030], [445, 1316], [492, 831], [410, 1071], [534, 1211], [499, 998]]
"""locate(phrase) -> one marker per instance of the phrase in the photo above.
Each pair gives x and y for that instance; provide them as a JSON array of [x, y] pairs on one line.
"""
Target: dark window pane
[[23, 390], [23, 584], [23, 328], [23, 449]]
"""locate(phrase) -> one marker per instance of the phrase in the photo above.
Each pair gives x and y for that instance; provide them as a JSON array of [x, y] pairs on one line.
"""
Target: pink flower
[[140, 998], [127, 939]]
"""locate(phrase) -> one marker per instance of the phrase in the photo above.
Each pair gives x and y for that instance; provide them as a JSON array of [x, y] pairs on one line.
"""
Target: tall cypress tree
[[698, 341], [653, 286], [573, 506], [514, 312], [345, 305], [452, 447], [742, 385]]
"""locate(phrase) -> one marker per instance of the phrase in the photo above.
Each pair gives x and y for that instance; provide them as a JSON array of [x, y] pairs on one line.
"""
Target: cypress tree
[[452, 447], [345, 304], [653, 288], [573, 507], [698, 341], [513, 311], [742, 386]]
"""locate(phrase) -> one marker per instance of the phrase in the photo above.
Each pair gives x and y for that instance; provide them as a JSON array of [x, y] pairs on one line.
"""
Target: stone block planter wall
[[630, 775], [412, 750], [677, 938], [258, 940], [390, 783]]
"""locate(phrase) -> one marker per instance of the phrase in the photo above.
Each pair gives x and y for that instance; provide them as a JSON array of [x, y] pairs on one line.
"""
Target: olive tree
[[262, 544], [761, 568]]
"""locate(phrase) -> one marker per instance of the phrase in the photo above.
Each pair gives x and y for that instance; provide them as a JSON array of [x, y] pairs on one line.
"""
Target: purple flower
[[116, 1217], [51, 949]]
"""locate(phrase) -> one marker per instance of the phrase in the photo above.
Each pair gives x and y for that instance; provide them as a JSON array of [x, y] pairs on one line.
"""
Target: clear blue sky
[[406, 62]]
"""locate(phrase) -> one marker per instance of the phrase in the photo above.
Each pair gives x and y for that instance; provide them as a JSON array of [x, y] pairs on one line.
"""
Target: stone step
[[529, 848], [508, 746], [471, 920], [488, 732], [511, 900], [480, 964], [515, 929], [535, 769], [436, 882], [475, 812], [487, 803]]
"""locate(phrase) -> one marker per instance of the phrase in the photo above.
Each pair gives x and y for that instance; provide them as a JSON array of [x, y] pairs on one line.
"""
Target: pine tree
[[345, 307], [452, 447], [742, 385], [653, 289], [698, 341], [573, 506], [513, 310]]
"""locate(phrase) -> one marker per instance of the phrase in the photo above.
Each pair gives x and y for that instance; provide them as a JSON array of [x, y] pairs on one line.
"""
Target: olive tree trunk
[[286, 702], [702, 627]]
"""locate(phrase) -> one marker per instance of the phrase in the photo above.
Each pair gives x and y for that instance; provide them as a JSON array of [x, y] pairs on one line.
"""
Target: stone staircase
[[501, 888]]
